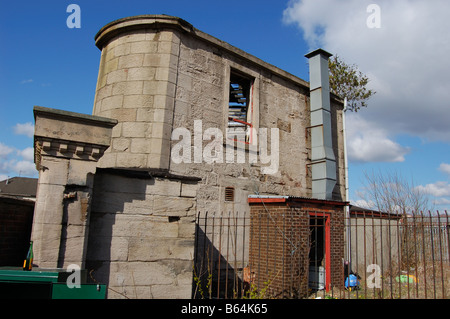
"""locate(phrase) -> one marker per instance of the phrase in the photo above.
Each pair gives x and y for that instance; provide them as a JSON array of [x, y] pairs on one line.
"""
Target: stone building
[[182, 123]]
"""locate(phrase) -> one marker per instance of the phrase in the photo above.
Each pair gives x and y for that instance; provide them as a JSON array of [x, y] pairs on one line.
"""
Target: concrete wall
[[142, 236], [374, 241], [157, 74], [67, 147], [160, 77]]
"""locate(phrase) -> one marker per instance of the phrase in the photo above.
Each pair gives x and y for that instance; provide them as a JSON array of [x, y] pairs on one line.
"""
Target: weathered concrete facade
[[67, 147], [158, 74]]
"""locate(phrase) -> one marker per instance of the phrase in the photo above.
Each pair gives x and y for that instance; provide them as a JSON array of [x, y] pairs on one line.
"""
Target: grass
[[431, 283]]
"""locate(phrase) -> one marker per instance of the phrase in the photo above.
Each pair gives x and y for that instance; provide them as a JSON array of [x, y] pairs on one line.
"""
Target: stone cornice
[[70, 135]]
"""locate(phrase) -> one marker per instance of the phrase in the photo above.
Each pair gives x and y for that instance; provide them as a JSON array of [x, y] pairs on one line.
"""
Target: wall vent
[[229, 194]]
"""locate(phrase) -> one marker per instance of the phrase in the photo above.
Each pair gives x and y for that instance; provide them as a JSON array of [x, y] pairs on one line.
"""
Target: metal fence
[[386, 256], [399, 255]]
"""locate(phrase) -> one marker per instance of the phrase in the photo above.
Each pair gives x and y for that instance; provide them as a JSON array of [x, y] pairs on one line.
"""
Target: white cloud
[[406, 58], [24, 168], [24, 129], [26, 81], [445, 168], [368, 143], [14, 162], [438, 189], [27, 154], [363, 204], [442, 201], [5, 150]]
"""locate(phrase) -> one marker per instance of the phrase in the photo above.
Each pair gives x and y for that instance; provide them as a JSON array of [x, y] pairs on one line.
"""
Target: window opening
[[239, 104]]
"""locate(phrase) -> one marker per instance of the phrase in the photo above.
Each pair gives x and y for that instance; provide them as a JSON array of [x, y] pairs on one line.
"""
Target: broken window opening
[[239, 108]]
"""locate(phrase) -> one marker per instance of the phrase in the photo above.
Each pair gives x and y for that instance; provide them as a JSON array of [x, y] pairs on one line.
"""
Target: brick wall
[[280, 245], [278, 250], [16, 217]]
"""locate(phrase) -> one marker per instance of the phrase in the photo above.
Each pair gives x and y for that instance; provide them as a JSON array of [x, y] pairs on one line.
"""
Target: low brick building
[[182, 123], [290, 239]]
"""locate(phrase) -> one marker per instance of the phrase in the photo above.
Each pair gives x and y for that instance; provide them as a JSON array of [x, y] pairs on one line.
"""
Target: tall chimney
[[323, 161]]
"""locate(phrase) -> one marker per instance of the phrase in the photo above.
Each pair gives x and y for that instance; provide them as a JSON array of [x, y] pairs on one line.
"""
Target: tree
[[392, 193], [348, 82]]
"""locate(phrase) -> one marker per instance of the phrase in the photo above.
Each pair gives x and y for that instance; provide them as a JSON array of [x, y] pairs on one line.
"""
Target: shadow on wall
[[107, 241], [214, 275]]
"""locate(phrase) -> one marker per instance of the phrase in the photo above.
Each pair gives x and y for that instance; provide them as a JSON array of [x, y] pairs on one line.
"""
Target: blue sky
[[404, 129]]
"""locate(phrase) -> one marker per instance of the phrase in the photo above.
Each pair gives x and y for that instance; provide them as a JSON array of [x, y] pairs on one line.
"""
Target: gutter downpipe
[[347, 207]]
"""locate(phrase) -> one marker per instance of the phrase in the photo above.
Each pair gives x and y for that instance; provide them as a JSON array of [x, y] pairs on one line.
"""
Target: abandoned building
[[185, 124]]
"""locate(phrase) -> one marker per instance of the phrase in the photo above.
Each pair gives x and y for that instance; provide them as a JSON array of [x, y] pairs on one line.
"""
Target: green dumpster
[[16, 283]]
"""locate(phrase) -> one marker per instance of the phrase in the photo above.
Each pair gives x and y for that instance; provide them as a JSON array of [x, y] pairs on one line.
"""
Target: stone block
[[130, 61], [111, 65], [155, 87], [164, 188], [145, 115], [129, 160], [161, 132], [104, 248], [163, 102], [186, 227], [49, 204], [171, 291], [122, 49], [78, 172], [166, 74], [141, 74], [144, 226], [155, 161], [156, 60], [138, 101], [126, 115], [112, 102], [141, 145], [107, 160], [116, 76], [121, 144], [135, 129], [140, 273], [55, 170], [144, 47], [126, 88], [153, 249], [167, 47], [172, 206], [162, 116], [47, 239], [104, 92], [189, 190]]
